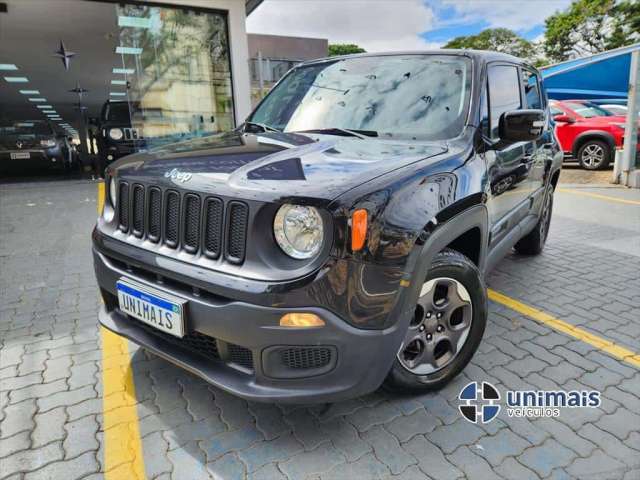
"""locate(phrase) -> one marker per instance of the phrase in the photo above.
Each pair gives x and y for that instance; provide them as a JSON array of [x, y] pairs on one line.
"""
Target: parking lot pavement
[[52, 371]]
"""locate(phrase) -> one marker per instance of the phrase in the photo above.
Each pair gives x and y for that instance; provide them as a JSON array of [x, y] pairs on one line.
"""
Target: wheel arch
[[584, 137]]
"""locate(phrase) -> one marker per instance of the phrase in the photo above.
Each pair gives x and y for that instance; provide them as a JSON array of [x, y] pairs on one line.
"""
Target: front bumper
[[47, 158], [359, 359]]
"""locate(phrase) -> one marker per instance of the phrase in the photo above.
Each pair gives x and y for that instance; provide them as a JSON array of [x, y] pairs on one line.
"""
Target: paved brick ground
[[50, 373], [573, 174]]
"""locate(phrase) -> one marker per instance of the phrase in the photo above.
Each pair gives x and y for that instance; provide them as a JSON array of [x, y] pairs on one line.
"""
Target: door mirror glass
[[564, 119], [521, 125]]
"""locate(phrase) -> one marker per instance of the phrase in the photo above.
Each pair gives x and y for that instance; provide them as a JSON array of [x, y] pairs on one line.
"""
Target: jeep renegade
[[339, 238]]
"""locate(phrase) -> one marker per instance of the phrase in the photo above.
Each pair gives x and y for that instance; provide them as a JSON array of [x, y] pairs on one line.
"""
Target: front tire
[[447, 327], [594, 155]]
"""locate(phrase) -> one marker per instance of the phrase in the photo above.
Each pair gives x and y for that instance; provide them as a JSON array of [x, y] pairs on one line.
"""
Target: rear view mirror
[[521, 125], [564, 119]]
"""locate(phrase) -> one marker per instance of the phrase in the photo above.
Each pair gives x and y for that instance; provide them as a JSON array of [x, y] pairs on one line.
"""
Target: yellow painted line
[[598, 196], [101, 194], [607, 346], [123, 449]]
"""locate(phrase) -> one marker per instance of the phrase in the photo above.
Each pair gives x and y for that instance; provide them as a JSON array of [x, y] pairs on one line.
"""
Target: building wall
[[287, 48], [238, 48]]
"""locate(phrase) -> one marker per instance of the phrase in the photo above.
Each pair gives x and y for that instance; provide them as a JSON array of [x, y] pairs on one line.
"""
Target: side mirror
[[521, 125], [564, 119]]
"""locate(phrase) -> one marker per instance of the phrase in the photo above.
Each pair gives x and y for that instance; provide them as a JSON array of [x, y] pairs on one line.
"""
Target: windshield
[[588, 109], [25, 128], [400, 96], [117, 112]]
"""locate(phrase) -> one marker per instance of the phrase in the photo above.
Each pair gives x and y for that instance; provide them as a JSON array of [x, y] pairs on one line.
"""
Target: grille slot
[[304, 358], [237, 231], [155, 214], [138, 210], [123, 207], [240, 355], [172, 219], [191, 223], [213, 227]]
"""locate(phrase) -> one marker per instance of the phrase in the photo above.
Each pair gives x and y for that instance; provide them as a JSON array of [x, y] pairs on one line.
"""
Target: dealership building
[[159, 71]]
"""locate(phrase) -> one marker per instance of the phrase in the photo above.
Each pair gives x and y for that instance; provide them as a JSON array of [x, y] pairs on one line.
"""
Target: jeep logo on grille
[[177, 175]]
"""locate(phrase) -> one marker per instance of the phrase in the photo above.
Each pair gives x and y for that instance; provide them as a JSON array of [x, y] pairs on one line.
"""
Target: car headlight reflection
[[116, 133], [299, 230], [48, 143]]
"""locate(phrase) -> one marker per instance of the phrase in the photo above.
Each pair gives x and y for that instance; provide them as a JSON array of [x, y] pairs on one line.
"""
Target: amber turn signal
[[301, 320], [358, 229]]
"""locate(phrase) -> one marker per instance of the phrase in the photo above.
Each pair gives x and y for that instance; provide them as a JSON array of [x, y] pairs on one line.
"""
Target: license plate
[[20, 155], [158, 309]]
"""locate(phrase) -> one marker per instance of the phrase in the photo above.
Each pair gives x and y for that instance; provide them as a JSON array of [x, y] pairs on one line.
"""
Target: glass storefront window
[[171, 77]]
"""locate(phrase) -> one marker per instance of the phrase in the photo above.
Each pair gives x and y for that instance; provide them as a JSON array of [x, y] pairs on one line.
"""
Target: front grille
[[303, 358], [190, 222]]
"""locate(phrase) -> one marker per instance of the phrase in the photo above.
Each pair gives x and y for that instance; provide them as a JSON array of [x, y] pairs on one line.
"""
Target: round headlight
[[116, 134], [113, 192], [298, 231]]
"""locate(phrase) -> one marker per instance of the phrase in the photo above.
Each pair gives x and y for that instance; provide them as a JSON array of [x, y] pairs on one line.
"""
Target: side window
[[555, 111], [504, 94], [532, 89]]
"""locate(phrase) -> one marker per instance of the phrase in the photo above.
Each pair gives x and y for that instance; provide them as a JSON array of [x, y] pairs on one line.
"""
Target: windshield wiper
[[363, 134], [263, 126]]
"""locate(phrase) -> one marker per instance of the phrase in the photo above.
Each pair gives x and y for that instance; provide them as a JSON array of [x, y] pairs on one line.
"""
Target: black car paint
[[420, 196], [40, 157]]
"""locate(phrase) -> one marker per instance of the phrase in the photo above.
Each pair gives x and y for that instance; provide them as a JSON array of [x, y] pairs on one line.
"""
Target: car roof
[[481, 55]]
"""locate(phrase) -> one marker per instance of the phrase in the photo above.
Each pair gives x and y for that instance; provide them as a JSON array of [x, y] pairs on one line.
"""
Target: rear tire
[[533, 242], [460, 318], [594, 155]]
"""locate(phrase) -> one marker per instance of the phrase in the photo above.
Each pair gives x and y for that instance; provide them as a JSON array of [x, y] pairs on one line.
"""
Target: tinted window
[[504, 93], [404, 96], [588, 109], [556, 111], [532, 89]]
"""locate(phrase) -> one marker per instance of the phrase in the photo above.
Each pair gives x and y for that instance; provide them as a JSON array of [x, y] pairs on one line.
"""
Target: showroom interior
[[87, 82]]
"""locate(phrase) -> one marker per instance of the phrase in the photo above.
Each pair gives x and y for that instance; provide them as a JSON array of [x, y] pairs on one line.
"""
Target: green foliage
[[591, 26], [344, 49], [496, 39]]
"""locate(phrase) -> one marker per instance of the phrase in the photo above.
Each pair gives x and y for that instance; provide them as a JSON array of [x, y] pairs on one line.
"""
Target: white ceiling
[[30, 33]]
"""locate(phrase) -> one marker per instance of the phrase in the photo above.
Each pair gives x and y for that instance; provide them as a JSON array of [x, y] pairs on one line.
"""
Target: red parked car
[[587, 132]]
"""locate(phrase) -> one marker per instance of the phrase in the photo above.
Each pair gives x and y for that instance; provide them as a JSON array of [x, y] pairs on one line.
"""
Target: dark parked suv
[[27, 145], [340, 237], [115, 135]]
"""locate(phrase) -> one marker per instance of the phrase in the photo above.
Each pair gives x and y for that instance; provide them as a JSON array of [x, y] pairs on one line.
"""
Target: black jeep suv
[[115, 135], [27, 145], [339, 238]]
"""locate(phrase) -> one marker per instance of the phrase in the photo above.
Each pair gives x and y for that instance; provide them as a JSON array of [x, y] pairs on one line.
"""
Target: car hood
[[275, 165]]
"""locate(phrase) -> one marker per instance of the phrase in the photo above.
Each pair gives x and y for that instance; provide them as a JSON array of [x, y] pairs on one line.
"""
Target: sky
[[383, 25]]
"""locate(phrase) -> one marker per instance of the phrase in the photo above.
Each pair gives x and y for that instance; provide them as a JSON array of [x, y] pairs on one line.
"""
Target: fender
[[429, 244], [590, 134]]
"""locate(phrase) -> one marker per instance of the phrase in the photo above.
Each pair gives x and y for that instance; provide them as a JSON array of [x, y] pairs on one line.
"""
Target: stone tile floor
[[51, 418]]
